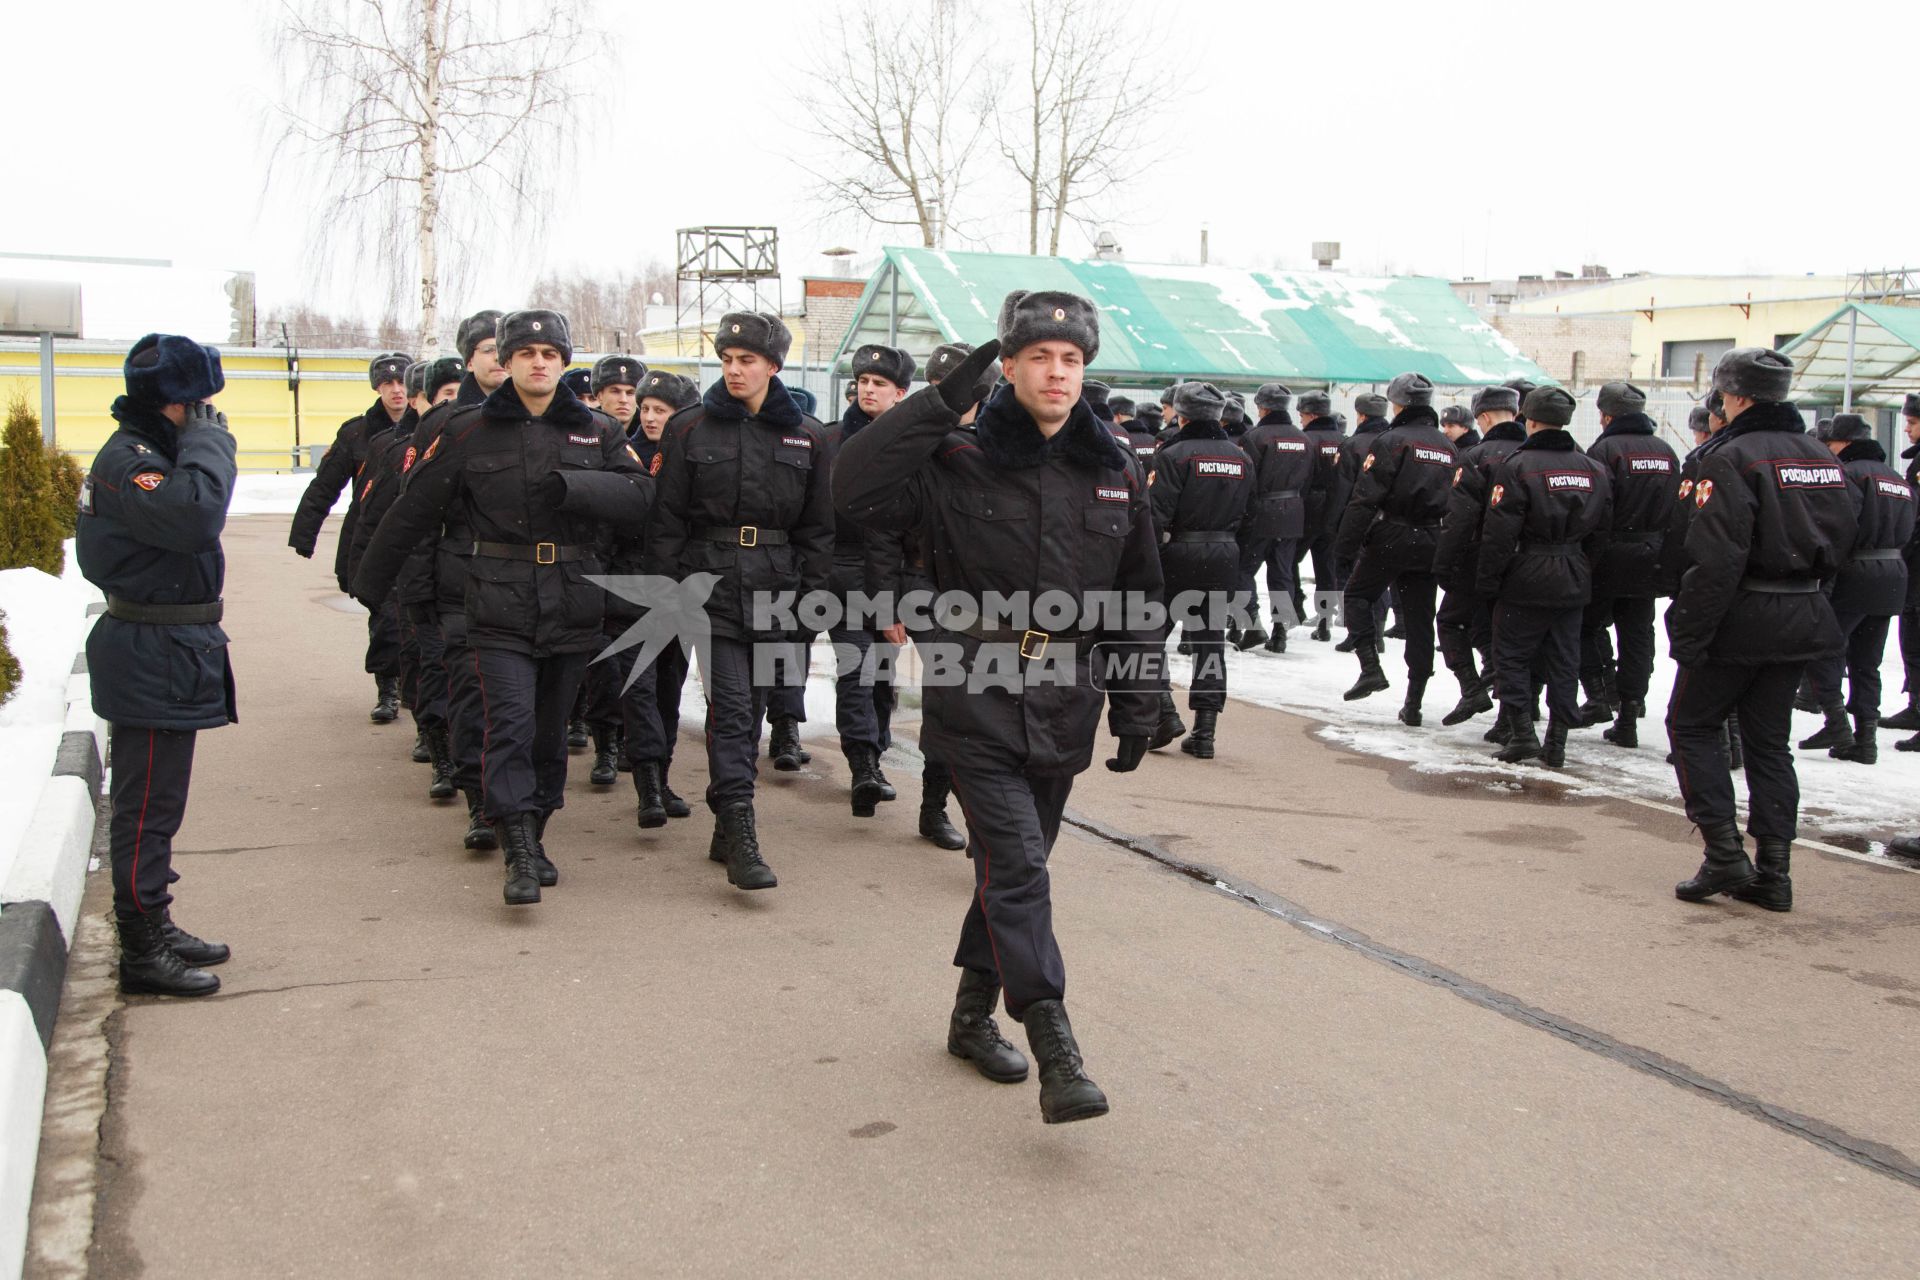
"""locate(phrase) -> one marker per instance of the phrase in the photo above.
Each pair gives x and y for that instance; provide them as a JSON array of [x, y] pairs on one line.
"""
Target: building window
[[1677, 359]]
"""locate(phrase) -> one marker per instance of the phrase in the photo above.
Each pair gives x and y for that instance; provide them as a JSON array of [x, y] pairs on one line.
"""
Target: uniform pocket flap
[[981, 504]]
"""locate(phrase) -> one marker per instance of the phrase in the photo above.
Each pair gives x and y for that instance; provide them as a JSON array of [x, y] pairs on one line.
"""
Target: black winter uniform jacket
[[377, 485], [726, 468], [1202, 485], [1353, 454], [1644, 470], [1284, 459], [529, 559], [1772, 507], [1912, 454], [1323, 513], [151, 511], [1003, 509], [1399, 493], [1456, 559], [1143, 444], [339, 467], [1873, 580], [864, 560], [1547, 520]]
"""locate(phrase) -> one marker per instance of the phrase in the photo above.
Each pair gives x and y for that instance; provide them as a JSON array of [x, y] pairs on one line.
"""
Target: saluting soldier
[[148, 535]]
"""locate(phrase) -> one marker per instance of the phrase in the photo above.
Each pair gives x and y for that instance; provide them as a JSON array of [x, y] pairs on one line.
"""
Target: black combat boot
[[197, 952], [480, 837], [441, 787], [1837, 733], [1523, 743], [542, 864], [1254, 636], [1905, 846], [974, 1035], [717, 847], [1372, 679], [1804, 698], [422, 752], [1553, 752], [783, 744], [149, 966], [1199, 743], [864, 768], [1908, 744], [1908, 720], [1625, 730], [387, 707], [1865, 748], [646, 785], [1603, 698], [1347, 643], [1773, 887], [1323, 629], [1065, 1092], [1410, 709], [675, 806], [1277, 642], [1171, 726], [578, 739], [1474, 697], [606, 759], [745, 869], [886, 788], [518, 838], [935, 783], [1736, 750], [1501, 731], [1725, 867]]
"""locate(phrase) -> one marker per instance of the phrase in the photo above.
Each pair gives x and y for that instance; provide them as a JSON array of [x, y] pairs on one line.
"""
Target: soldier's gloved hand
[[1133, 749], [551, 488], [969, 383], [204, 415], [305, 553]]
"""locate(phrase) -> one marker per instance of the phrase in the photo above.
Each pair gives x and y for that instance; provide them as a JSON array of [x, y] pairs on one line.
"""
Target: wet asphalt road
[[1354, 1020]]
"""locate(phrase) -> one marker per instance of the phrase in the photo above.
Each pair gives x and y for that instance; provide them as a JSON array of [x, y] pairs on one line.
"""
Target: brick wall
[[1550, 341]]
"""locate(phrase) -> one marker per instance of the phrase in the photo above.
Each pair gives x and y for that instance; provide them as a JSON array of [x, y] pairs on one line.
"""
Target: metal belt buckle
[[545, 553], [749, 535], [1033, 645]]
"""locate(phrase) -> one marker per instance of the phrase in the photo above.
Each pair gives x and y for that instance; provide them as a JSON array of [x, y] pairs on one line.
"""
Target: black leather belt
[[538, 552], [166, 615], [1879, 553], [1549, 548], [741, 535], [1033, 645], [1410, 524], [1781, 586], [1204, 535]]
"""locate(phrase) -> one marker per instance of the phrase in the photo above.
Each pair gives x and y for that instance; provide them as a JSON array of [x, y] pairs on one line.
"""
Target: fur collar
[[1770, 415], [1868, 449], [1280, 416], [1551, 440], [1505, 431], [1009, 438], [1201, 431], [1629, 424], [1370, 425], [853, 421], [469, 392], [1417, 415], [148, 423], [1466, 441], [1911, 451], [565, 410], [778, 410], [378, 422]]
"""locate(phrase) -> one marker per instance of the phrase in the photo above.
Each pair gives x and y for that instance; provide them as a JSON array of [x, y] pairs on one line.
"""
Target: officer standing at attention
[[1040, 498], [339, 467], [532, 473], [1547, 519], [743, 496], [1772, 520], [148, 535]]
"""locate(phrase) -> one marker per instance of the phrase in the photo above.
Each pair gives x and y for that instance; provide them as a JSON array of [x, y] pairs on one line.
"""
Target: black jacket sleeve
[[620, 495], [1500, 530], [187, 508], [878, 481], [333, 474], [668, 530], [1718, 539], [419, 509], [1371, 484]]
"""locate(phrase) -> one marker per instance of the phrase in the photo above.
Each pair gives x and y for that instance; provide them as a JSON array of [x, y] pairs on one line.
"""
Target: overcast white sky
[[1471, 137]]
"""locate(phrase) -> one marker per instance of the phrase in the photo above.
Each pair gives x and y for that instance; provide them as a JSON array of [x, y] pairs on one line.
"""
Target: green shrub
[[30, 520], [9, 665], [66, 474]]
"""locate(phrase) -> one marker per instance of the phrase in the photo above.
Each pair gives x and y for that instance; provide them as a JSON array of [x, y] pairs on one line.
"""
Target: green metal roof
[[1162, 322], [1886, 355]]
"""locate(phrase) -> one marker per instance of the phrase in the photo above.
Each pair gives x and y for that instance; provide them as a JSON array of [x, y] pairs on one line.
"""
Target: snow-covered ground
[[275, 495], [46, 625]]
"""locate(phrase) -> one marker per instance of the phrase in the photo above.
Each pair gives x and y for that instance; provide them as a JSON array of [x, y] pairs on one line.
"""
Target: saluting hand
[[970, 382], [204, 415]]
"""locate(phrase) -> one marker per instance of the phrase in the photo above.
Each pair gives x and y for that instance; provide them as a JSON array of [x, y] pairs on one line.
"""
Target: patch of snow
[[277, 495], [1367, 311]]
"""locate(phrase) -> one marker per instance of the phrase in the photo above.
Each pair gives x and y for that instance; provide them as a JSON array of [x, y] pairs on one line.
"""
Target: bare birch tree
[[902, 103], [438, 118], [1075, 122]]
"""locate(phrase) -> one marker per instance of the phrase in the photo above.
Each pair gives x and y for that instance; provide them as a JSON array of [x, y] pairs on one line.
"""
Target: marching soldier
[[532, 473], [148, 535], [1040, 498], [1283, 461], [1465, 619], [613, 383], [743, 496], [1547, 516], [1325, 504], [1772, 520], [1373, 409], [1909, 718]]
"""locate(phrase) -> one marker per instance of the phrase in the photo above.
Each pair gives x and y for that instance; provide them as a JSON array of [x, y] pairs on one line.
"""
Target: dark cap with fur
[[389, 366], [946, 358], [1495, 400], [473, 331], [1120, 405], [1317, 403], [1149, 417], [165, 368], [519, 329], [1754, 372], [1912, 407], [1199, 401], [1410, 389], [1456, 415], [1095, 393], [1369, 405], [579, 381], [1166, 397], [617, 371], [1698, 419], [1046, 316], [416, 379], [669, 388], [1619, 398], [1549, 406], [438, 373], [1273, 397], [760, 332], [891, 363], [1849, 426]]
